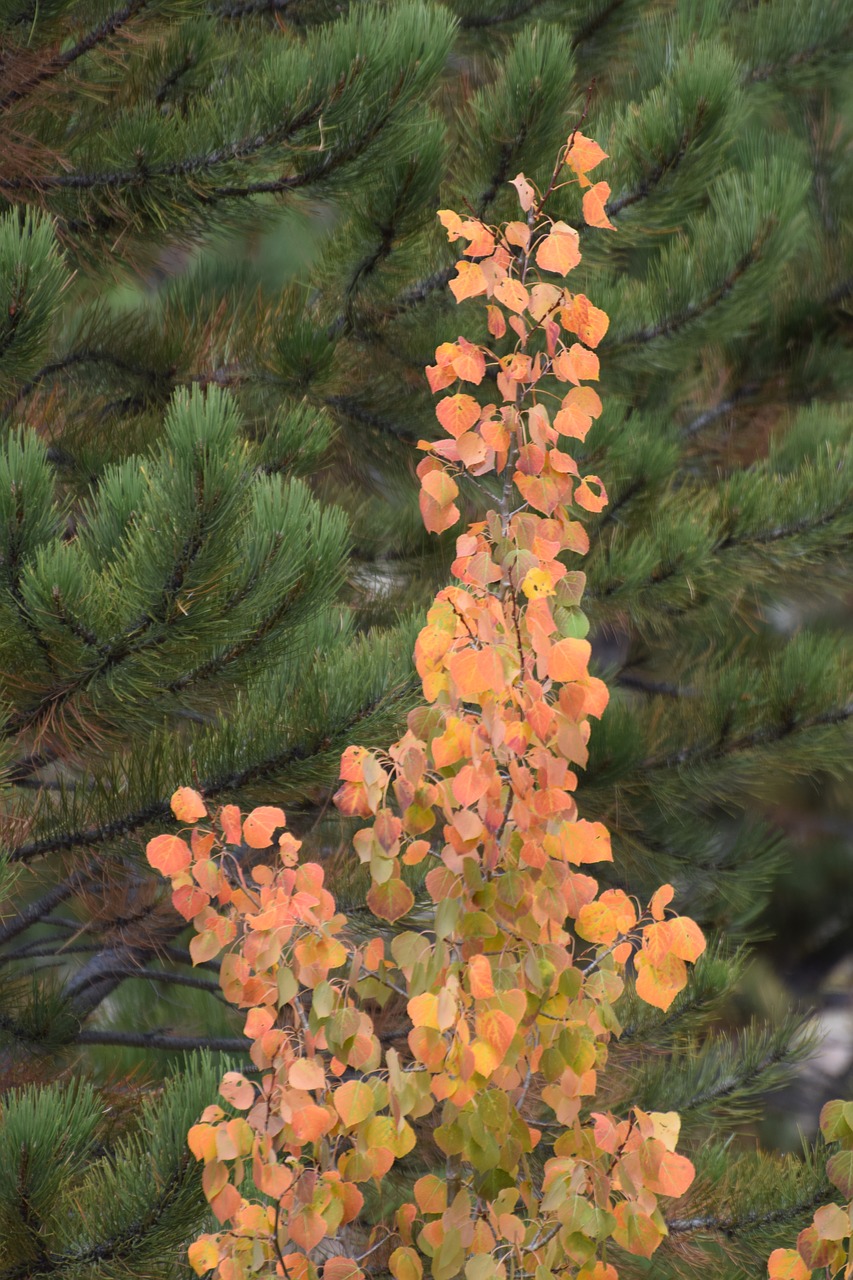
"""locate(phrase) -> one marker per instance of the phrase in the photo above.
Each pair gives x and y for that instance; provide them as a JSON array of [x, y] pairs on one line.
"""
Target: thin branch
[[162, 1040]]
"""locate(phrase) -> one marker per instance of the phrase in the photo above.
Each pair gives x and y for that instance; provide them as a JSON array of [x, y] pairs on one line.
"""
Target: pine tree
[[133, 137]]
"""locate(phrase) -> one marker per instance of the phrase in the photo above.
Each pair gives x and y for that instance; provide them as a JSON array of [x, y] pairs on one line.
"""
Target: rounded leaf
[[259, 825], [187, 805], [354, 1102], [786, 1264], [169, 854]]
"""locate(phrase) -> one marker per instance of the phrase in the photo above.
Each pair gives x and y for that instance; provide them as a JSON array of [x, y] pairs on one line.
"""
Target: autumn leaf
[[469, 281], [559, 251], [636, 1231], [512, 294], [457, 414], [187, 805], [476, 671], [594, 201], [390, 901], [354, 1102], [786, 1264], [430, 1194], [568, 659], [203, 1255], [404, 1264], [169, 855], [526, 194], [260, 824], [496, 322], [659, 984], [582, 155]]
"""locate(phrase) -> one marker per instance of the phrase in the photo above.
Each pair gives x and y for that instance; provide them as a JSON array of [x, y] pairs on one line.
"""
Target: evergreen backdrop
[[221, 276]]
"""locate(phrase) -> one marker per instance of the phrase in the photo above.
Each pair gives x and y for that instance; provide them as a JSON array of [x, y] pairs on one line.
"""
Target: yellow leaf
[[537, 583], [203, 1255], [354, 1102]]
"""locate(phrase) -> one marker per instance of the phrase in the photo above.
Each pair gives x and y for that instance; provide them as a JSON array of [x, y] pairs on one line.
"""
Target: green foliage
[[85, 1191]]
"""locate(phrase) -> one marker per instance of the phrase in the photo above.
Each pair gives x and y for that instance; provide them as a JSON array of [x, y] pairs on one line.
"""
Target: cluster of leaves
[[511, 984], [827, 1244]]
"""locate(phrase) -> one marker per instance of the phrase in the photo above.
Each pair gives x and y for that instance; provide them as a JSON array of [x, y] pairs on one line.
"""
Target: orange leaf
[[189, 900], [203, 1255], [686, 938], [497, 1029], [658, 985], [306, 1227], [311, 1122], [477, 671], [230, 819], [517, 233], [306, 1073], [451, 222], [586, 497], [496, 322], [559, 250], [786, 1264], [588, 322], [568, 659], [480, 981], [352, 764], [598, 1271], [584, 841], [237, 1090], [512, 294], [469, 282], [259, 825], [168, 854], [832, 1222], [661, 899], [457, 414], [187, 805], [431, 1194], [201, 1140], [584, 154], [341, 1268], [635, 1230], [227, 1203], [594, 201]]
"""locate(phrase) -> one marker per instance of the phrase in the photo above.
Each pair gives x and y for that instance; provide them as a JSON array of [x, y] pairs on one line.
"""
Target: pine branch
[[162, 1040], [191, 166], [780, 532], [230, 783], [674, 324], [595, 23], [42, 907], [655, 688], [733, 1226], [747, 742], [666, 166], [479, 21], [109, 27]]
